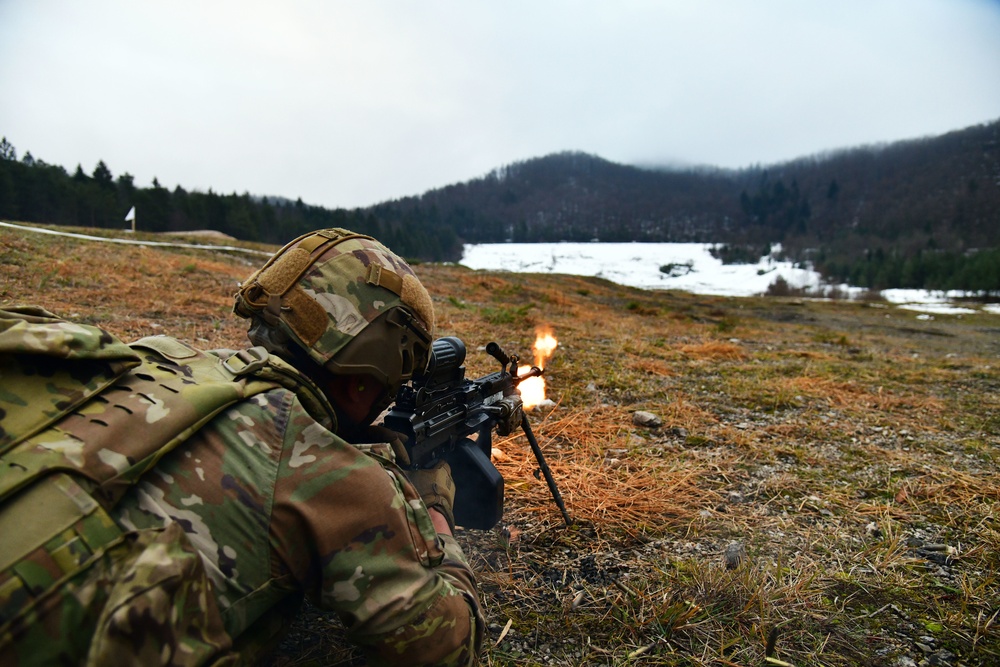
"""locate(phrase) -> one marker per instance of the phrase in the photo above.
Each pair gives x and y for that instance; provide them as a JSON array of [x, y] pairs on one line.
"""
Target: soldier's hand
[[379, 433], [436, 488]]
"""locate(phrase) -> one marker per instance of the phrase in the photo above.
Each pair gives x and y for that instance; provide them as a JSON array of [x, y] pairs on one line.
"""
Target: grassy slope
[[845, 455]]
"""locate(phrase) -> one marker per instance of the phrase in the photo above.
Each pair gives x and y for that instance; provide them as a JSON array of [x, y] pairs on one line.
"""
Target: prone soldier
[[164, 505]]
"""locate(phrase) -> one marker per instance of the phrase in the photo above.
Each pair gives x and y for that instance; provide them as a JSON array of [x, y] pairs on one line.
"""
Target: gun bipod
[[544, 467]]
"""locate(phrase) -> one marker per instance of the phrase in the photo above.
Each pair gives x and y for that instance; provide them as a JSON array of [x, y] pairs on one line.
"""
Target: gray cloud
[[349, 103]]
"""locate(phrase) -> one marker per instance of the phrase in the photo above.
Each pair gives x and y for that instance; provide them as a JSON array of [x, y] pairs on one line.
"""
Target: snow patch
[[689, 266], [684, 266]]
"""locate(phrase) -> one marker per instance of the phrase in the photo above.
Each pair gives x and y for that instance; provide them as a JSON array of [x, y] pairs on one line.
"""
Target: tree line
[[973, 271], [32, 190], [922, 213]]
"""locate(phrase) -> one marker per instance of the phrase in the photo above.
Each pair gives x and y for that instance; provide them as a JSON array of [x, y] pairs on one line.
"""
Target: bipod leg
[[545, 469]]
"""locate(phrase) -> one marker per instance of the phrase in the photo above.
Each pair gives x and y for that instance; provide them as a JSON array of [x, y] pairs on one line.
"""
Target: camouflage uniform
[[199, 557], [276, 504]]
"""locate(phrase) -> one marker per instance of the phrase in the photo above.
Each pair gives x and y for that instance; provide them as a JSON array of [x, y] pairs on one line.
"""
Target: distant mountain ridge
[[576, 197], [913, 187], [918, 213], [855, 213]]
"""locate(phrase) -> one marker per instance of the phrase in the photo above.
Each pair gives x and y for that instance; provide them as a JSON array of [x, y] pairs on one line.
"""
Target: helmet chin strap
[[379, 405]]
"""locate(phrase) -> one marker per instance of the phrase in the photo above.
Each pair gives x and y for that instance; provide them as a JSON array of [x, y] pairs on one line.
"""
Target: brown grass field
[[822, 489]]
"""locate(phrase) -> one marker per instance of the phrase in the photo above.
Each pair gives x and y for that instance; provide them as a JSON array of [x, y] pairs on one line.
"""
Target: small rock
[[735, 554], [647, 419], [940, 658], [936, 557], [636, 440]]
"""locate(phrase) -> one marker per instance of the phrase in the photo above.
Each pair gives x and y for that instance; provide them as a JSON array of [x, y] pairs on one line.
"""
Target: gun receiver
[[445, 416]]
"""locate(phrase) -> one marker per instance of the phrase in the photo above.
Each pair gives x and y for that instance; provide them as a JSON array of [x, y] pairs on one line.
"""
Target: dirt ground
[[818, 485]]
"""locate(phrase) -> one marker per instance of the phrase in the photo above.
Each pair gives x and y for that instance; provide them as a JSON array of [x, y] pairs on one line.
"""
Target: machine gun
[[445, 416]]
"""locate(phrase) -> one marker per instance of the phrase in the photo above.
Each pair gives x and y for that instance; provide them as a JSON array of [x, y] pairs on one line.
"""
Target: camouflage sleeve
[[351, 522]]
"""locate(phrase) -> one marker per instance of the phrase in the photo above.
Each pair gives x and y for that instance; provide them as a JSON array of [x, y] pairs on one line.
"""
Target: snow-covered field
[[691, 268]]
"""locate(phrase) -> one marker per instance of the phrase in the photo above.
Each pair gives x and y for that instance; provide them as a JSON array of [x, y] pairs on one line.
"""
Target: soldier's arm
[[356, 531]]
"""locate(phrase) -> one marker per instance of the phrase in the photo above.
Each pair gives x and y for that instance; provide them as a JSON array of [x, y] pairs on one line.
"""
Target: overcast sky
[[352, 103]]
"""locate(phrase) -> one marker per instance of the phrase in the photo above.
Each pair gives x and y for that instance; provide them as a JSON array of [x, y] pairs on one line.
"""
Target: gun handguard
[[443, 415]]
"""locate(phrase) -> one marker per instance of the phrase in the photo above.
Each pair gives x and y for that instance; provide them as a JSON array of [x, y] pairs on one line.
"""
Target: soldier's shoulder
[[278, 409]]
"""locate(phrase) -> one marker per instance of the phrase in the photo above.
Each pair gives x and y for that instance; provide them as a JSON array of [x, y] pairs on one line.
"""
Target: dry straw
[[606, 476]]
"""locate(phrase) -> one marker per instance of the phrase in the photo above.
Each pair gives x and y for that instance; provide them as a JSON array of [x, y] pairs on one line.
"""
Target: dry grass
[[610, 478], [841, 458], [713, 350]]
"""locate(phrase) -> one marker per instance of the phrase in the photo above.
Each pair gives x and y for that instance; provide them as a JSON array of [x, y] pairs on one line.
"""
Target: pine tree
[[7, 151]]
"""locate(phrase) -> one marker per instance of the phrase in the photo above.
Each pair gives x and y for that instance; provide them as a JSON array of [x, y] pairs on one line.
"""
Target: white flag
[[130, 216]]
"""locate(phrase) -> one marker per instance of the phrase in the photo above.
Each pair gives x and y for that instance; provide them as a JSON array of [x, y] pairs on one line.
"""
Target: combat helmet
[[344, 301]]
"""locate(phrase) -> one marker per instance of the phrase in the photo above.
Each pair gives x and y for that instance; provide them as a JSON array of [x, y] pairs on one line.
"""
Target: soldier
[[195, 524]]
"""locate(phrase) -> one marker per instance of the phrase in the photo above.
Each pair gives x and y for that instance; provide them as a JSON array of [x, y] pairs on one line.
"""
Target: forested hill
[[920, 213], [942, 191]]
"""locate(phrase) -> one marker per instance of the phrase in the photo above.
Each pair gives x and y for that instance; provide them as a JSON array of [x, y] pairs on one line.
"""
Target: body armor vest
[[82, 417]]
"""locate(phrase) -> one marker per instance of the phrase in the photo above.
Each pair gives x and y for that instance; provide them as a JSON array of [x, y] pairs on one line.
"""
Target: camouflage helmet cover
[[347, 301]]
